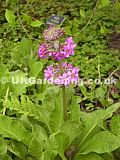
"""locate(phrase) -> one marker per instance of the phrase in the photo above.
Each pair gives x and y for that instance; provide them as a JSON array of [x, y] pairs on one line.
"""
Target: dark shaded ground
[[114, 41]]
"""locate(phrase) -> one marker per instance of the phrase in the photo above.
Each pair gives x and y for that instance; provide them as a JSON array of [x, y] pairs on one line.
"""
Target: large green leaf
[[115, 125], [75, 110], [107, 156], [38, 143], [49, 96], [35, 69], [62, 140], [47, 154], [22, 52], [91, 156], [56, 145], [72, 129], [35, 147], [102, 142], [12, 128], [27, 107], [91, 123], [19, 82], [52, 144], [18, 149], [39, 132], [56, 115], [92, 120], [3, 148]]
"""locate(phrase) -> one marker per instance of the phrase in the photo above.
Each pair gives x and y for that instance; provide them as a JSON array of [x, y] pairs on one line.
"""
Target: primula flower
[[53, 33], [69, 75], [60, 52], [43, 52], [58, 55], [69, 46]]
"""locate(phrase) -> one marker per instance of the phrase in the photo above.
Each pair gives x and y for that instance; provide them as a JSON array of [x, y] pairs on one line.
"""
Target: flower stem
[[63, 94], [64, 103]]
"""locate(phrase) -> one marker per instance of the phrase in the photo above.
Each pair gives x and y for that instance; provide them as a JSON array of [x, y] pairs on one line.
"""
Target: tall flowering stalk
[[62, 74]]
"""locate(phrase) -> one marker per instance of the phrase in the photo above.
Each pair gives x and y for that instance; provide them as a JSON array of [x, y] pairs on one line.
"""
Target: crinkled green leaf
[[22, 52], [75, 110], [35, 69], [19, 82], [35, 147], [92, 120], [39, 132], [102, 142], [115, 125], [72, 129], [56, 115], [62, 140], [107, 156], [3, 148], [18, 149], [27, 107], [91, 156], [12, 128]]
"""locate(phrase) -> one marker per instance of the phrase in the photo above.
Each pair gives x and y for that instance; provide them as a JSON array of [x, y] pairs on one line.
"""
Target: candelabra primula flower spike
[[58, 51], [62, 74]]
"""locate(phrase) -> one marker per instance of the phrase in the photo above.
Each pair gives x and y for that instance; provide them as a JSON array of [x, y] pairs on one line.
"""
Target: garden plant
[[60, 83]]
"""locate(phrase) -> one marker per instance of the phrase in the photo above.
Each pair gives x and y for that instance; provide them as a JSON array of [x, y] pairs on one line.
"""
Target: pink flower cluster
[[57, 51], [68, 76]]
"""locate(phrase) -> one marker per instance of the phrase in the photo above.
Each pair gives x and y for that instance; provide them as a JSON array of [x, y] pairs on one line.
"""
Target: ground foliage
[[31, 120]]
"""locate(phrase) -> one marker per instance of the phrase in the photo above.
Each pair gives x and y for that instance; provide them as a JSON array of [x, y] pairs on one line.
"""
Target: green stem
[[63, 94], [4, 109], [64, 103]]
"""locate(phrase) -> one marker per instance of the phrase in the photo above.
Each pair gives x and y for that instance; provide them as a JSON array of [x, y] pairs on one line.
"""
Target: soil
[[114, 42]]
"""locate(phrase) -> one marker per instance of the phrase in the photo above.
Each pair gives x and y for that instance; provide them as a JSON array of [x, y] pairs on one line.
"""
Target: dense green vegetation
[[31, 118]]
